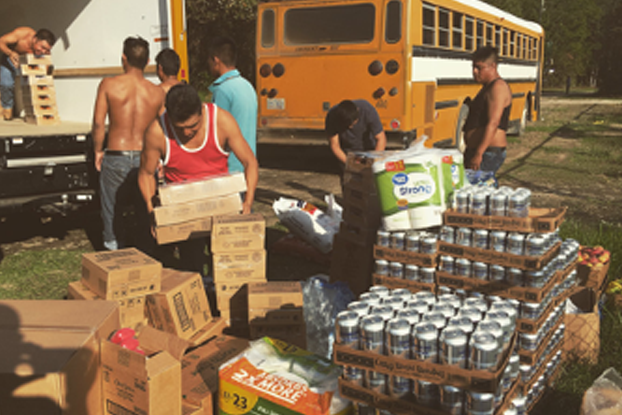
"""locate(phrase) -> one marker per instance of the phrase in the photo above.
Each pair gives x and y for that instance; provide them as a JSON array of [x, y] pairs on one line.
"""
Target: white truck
[[43, 166]]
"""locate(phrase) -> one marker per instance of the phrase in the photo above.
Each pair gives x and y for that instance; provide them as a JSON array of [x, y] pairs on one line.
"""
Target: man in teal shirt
[[233, 93]]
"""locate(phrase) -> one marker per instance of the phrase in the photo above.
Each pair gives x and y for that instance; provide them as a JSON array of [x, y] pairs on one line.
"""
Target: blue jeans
[[7, 82], [120, 195], [492, 159]]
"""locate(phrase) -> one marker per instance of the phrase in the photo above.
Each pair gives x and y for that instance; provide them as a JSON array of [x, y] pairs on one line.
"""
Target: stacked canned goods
[[483, 200], [414, 241], [445, 329]]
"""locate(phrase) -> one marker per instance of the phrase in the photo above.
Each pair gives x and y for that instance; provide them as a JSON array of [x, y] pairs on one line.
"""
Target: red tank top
[[184, 164]]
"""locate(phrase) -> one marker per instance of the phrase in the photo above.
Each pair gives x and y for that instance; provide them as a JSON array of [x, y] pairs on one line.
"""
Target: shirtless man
[[190, 137], [489, 113], [131, 103], [168, 64], [20, 41]]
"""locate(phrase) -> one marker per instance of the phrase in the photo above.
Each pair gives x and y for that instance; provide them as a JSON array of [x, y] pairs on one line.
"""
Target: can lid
[[348, 318]]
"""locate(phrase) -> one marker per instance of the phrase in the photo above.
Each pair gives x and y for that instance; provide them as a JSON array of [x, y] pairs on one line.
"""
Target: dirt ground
[[303, 168]]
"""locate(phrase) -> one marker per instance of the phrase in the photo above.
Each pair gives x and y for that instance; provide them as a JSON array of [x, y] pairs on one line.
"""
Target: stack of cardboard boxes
[[186, 209], [352, 258], [239, 257], [37, 90]]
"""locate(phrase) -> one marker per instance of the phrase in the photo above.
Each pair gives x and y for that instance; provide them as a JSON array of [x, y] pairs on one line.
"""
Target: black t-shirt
[[362, 136]]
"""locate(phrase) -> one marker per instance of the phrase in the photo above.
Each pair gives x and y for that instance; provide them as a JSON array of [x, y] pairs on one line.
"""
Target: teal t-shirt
[[235, 94]]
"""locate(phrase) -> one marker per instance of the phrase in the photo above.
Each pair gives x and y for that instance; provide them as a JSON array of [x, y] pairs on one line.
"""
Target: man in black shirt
[[354, 126]]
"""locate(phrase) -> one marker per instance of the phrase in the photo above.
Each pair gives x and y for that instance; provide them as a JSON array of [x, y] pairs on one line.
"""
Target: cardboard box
[[187, 409], [198, 209], [29, 69], [532, 357], [405, 257], [240, 266], [357, 234], [295, 334], [32, 59], [274, 294], [143, 384], [126, 273], [198, 228], [42, 119], [131, 310], [214, 327], [285, 314], [238, 233], [505, 259], [39, 98], [582, 335], [352, 263], [199, 373], [50, 355], [593, 277], [175, 193], [393, 283], [231, 296], [46, 82], [539, 220], [181, 306]]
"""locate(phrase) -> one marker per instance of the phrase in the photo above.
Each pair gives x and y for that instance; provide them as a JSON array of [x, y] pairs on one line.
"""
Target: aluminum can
[[397, 240], [526, 373], [446, 264], [503, 318], [461, 201], [535, 279], [514, 364], [518, 205], [413, 241], [507, 307], [354, 375], [510, 411], [461, 294], [386, 312], [479, 270], [472, 313], [371, 298], [426, 393], [498, 203], [372, 333], [396, 303], [348, 329], [479, 239], [427, 275], [480, 403], [448, 234], [380, 290], [420, 306], [515, 277], [412, 316], [462, 267], [376, 382], [464, 236], [515, 243], [452, 299], [396, 270], [484, 351], [442, 289], [477, 303], [399, 387], [452, 400], [478, 203], [528, 342], [464, 323], [535, 245], [361, 308], [428, 244], [426, 296], [397, 335], [382, 267], [520, 404], [496, 273], [425, 342], [494, 328], [498, 240], [453, 345], [401, 292], [446, 309], [383, 238], [437, 318]]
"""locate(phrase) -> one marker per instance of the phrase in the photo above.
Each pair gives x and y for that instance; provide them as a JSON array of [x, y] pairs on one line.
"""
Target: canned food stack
[[36, 90], [406, 260], [352, 259], [424, 333]]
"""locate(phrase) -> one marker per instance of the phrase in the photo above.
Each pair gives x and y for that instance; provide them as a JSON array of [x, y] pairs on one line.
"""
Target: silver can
[[397, 240], [412, 316], [413, 241], [507, 307], [428, 244], [347, 332], [477, 204], [420, 306], [437, 318], [452, 299], [383, 238], [484, 351], [380, 290], [427, 275], [371, 298], [515, 277], [464, 236], [446, 264], [498, 203], [494, 328], [479, 239], [480, 403], [472, 313], [426, 296], [477, 303], [452, 400], [479, 270], [461, 200], [401, 292], [382, 267], [503, 318], [528, 341], [498, 240], [426, 393], [372, 333], [425, 342], [535, 245], [397, 335], [516, 243], [453, 344], [446, 309], [376, 382], [496, 273], [396, 303], [396, 270], [518, 205], [448, 234], [399, 387], [354, 375], [386, 312], [520, 404], [535, 279], [462, 267], [361, 308]]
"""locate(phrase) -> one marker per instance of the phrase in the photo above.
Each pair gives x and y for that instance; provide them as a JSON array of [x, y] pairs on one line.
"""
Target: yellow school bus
[[411, 59]]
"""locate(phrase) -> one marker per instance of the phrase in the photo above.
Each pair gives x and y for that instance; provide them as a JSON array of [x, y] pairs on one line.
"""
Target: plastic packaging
[[481, 178], [322, 302], [604, 397]]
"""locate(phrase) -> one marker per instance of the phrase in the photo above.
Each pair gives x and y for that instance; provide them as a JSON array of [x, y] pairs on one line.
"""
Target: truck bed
[[18, 128]]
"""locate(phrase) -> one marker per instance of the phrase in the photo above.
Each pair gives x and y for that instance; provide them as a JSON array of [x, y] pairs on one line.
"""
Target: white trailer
[[48, 165]]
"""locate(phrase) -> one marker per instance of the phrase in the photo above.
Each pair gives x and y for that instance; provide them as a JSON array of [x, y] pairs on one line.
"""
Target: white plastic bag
[[604, 397]]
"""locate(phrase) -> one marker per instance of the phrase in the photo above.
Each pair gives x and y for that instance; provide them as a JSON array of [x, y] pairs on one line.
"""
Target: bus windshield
[[338, 24]]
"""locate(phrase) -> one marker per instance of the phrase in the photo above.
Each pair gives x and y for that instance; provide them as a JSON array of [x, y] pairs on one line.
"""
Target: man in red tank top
[[189, 138]]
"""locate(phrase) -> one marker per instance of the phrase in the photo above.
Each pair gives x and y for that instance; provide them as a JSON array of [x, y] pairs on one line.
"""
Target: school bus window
[[468, 33], [535, 49], [519, 46], [528, 50], [457, 30], [498, 38], [488, 34], [480, 34], [393, 24], [429, 25], [512, 37], [525, 50], [443, 27], [267, 28], [504, 49], [335, 24]]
